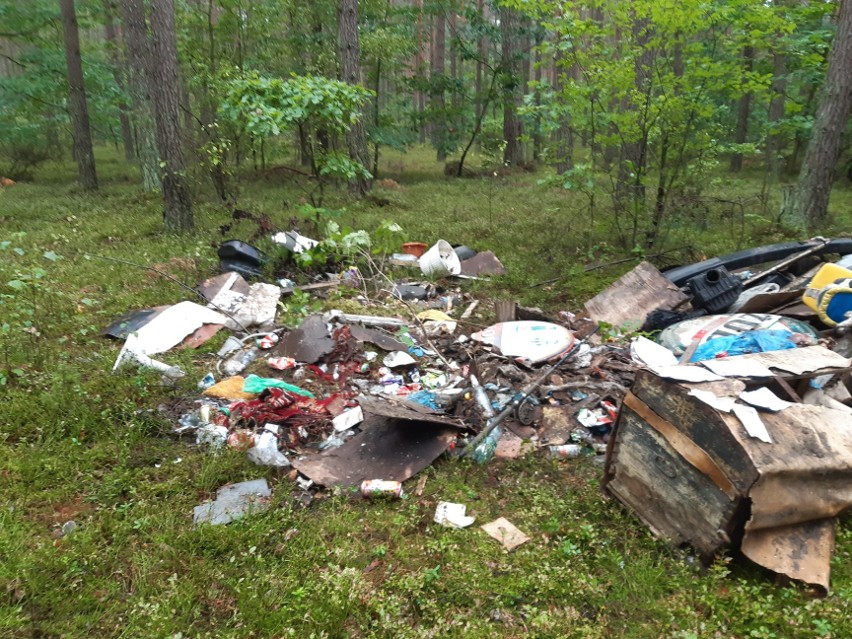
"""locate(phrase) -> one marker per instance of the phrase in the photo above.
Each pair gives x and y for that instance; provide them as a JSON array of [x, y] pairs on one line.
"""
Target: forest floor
[[78, 442]]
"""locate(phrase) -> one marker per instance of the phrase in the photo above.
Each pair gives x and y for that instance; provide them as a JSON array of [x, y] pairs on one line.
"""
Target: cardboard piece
[[506, 533], [627, 302]]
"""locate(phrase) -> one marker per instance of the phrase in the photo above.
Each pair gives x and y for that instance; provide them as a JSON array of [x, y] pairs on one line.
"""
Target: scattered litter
[[229, 388], [565, 450], [281, 363], [737, 367], [233, 502], [506, 533], [206, 382], [255, 385], [484, 263], [309, 343], [452, 515]]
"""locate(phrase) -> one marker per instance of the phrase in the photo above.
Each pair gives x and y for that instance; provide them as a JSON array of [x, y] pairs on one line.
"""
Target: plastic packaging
[[565, 450], [715, 290], [238, 363], [255, 384], [265, 451]]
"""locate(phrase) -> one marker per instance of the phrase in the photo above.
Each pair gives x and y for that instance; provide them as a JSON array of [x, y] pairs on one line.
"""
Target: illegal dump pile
[[733, 427]]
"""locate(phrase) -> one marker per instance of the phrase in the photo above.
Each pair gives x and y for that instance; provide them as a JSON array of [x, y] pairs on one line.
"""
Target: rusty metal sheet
[[384, 449], [407, 412], [309, 343], [201, 335], [378, 337], [484, 263]]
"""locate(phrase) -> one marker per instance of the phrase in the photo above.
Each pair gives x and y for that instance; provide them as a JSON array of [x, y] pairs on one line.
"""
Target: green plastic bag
[[255, 384]]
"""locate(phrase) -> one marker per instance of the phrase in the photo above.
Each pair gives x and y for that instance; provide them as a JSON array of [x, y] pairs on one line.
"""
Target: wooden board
[[671, 496], [626, 302]]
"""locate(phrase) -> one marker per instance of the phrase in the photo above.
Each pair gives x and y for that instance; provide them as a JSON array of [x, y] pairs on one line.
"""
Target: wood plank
[[630, 298]]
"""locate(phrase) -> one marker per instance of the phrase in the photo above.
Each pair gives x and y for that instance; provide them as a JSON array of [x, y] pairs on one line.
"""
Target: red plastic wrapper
[[268, 341], [281, 363]]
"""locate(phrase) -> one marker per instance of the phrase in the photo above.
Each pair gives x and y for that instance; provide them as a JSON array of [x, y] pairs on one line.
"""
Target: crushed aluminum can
[[267, 341], [281, 363], [565, 450], [381, 488]]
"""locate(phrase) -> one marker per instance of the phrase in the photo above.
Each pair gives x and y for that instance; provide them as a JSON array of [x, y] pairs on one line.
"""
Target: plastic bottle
[[238, 363]]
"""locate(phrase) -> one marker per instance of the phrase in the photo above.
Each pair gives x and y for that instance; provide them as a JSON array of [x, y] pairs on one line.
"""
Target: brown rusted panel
[[700, 423], [673, 498]]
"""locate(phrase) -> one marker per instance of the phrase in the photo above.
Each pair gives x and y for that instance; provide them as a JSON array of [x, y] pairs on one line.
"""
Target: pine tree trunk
[[138, 56], [809, 202], [743, 111], [513, 154], [480, 60], [436, 99], [350, 69], [115, 61], [776, 114], [77, 105], [163, 76]]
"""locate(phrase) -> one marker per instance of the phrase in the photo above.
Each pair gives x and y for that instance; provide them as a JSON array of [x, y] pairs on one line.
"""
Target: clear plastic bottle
[[238, 363]]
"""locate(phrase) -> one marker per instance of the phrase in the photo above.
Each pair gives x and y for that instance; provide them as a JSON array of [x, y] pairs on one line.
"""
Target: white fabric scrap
[[752, 423], [452, 515], [724, 404]]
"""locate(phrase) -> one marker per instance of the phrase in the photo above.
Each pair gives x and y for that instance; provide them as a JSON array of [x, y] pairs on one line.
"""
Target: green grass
[[78, 442]]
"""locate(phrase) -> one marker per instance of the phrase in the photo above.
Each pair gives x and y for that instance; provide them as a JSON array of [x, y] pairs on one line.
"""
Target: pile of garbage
[[370, 400]]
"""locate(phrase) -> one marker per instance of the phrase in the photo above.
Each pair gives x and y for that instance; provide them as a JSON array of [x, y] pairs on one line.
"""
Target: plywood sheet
[[627, 301]]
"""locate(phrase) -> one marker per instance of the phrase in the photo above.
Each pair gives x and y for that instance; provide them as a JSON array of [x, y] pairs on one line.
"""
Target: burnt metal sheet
[[407, 412], [132, 321], [384, 449], [378, 337], [309, 343]]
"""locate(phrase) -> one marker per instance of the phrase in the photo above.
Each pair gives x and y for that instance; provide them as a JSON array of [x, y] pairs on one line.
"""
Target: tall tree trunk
[[513, 154], [743, 111], [537, 65], [115, 61], [350, 68], [419, 73], [480, 59], [138, 59], [774, 140], [177, 202], [437, 100], [809, 202], [77, 99]]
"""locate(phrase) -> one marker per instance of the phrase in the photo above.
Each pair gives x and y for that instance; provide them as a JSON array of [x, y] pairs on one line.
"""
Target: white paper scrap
[[737, 367], [398, 358], [452, 515], [752, 423], [724, 404], [651, 354], [347, 419], [765, 399], [686, 373]]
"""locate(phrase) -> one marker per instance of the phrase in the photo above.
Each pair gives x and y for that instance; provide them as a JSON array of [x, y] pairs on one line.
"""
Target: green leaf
[[17, 285]]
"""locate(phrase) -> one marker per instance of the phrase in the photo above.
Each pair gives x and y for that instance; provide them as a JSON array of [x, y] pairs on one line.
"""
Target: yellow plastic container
[[819, 294]]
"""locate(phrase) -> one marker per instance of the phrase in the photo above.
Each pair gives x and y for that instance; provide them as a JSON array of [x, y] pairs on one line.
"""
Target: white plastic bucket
[[440, 260]]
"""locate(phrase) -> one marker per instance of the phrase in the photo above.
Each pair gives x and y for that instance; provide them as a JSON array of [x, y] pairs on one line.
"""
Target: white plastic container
[[440, 260]]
